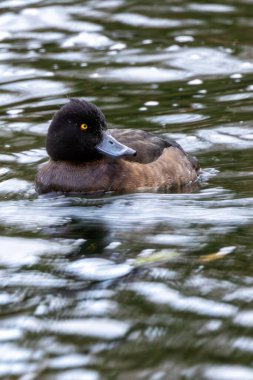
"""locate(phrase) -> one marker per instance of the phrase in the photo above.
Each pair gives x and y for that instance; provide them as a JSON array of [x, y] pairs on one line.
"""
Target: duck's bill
[[110, 147]]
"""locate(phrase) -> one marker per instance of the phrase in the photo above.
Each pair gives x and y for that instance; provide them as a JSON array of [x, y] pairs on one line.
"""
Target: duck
[[87, 157]]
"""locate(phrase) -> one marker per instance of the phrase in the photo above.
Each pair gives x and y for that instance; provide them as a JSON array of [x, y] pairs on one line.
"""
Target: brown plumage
[[142, 161]]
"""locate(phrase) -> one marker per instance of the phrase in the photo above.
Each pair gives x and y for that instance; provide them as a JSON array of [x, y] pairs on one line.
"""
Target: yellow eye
[[83, 127]]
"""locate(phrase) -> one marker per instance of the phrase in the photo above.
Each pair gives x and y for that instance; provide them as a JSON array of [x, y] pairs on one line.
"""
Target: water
[[137, 286]]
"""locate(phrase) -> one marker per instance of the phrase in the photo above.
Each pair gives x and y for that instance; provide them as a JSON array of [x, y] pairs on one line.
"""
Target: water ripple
[[98, 269], [162, 294], [90, 285], [27, 251]]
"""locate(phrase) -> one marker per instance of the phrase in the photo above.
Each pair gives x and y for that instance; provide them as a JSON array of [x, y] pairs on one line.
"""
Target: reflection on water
[[138, 285]]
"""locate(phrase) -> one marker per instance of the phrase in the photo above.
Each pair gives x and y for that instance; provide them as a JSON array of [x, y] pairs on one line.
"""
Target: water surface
[[141, 286]]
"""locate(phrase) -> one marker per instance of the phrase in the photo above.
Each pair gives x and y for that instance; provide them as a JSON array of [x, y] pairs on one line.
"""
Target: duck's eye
[[83, 127]]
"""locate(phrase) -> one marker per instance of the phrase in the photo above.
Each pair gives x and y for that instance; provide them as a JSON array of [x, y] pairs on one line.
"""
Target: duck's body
[[141, 161]]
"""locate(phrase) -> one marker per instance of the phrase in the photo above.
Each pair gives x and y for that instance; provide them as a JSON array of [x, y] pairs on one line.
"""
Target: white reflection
[[160, 293], [98, 269], [243, 343], [95, 308], [21, 251], [235, 97], [12, 353], [14, 185], [195, 82], [241, 294], [92, 40], [14, 369], [30, 156], [171, 239], [143, 74], [207, 61], [30, 19], [228, 372], [68, 361], [215, 8], [184, 39], [7, 334], [244, 318], [177, 118], [139, 20], [107, 3], [151, 103], [230, 136], [4, 35], [94, 327], [77, 374]]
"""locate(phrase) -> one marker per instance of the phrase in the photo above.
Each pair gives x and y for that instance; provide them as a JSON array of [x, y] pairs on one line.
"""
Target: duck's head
[[78, 132]]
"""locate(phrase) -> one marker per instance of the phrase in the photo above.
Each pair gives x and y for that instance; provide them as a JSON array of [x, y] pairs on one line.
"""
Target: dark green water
[[138, 286]]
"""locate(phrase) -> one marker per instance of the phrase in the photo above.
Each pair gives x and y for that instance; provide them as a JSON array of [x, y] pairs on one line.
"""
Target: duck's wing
[[148, 146]]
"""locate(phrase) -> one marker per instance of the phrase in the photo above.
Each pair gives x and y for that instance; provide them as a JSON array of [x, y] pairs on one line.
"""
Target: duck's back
[[149, 147]]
